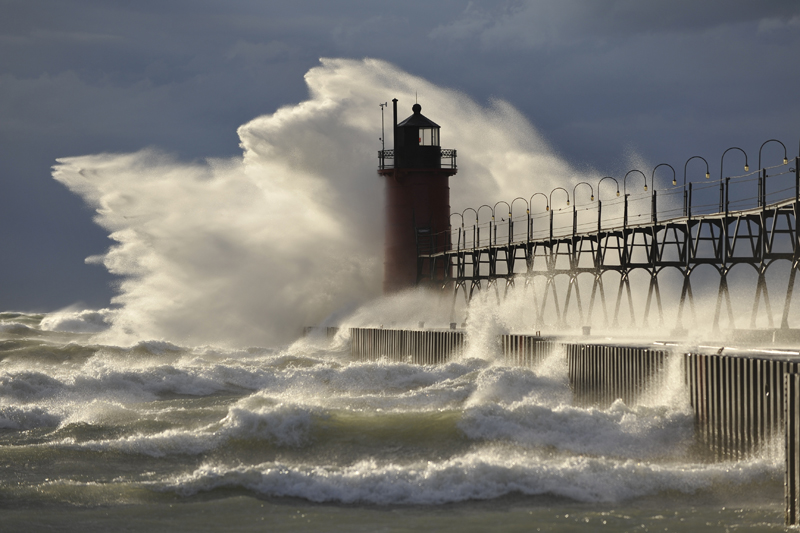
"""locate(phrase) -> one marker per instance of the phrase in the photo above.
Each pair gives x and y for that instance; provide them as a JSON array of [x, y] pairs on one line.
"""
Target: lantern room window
[[429, 136]]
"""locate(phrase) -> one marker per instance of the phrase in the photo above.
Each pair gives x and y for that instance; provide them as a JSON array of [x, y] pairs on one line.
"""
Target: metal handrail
[[448, 158]]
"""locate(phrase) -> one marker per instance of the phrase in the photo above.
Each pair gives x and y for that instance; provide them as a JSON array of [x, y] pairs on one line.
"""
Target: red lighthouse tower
[[417, 176]]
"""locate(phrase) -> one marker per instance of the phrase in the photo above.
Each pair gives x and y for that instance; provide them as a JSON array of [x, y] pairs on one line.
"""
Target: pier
[[743, 399], [556, 249]]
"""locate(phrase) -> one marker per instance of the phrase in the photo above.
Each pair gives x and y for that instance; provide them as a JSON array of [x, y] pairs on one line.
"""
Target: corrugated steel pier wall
[[434, 347], [791, 410], [601, 374], [527, 350], [426, 347], [598, 374], [738, 400]]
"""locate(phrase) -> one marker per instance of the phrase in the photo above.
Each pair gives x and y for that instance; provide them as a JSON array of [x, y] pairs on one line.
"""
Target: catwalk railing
[[674, 229], [386, 158]]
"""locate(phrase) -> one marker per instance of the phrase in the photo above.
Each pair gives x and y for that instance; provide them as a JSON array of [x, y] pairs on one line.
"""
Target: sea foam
[[488, 473]]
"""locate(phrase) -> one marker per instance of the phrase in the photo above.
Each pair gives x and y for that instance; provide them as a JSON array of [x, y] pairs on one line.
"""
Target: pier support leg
[[624, 283], [788, 302], [723, 292], [651, 290], [761, 288], [598, 284], [686, 292]]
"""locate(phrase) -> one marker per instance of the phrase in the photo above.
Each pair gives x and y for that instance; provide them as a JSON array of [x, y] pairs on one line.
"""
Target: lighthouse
[[417, 173]]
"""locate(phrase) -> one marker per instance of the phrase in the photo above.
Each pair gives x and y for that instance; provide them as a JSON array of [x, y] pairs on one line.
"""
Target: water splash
[[249, 249]]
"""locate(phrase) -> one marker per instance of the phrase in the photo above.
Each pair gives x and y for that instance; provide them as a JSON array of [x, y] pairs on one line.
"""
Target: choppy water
[[159, 437]]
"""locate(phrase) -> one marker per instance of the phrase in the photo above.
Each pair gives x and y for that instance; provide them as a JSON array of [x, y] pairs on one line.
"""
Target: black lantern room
[[416, 142]]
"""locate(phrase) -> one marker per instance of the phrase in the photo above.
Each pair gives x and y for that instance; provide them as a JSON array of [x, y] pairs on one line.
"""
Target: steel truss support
[[757, 238]]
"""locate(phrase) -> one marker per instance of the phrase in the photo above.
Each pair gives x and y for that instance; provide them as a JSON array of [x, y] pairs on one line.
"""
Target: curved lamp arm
[[708, 174], [576, 186], [607, 178], [487, 206], [554, 190], [470, 209], [530, 203], [721, 159], [527, 206], [502, 202], [653, 176], [785, 159], [625, 181]]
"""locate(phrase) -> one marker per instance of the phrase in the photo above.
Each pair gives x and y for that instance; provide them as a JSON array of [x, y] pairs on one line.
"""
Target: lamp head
[[708, 175], [567, 202], [645, 187], [617, 192], [592, 198], [674, 181], [746, 168], [547, 208]]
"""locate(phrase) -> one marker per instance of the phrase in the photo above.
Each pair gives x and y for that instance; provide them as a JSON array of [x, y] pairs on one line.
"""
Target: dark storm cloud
[[666, 78], [536, 24], [599, 78]]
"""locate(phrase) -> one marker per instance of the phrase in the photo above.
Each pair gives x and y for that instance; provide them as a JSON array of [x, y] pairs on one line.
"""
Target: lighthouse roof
[[418, 119]]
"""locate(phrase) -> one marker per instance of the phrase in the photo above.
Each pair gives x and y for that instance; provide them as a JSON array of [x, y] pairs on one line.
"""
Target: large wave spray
[[247, 250]]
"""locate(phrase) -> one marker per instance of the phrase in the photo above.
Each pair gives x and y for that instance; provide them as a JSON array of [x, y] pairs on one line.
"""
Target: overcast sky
[[599, 79]]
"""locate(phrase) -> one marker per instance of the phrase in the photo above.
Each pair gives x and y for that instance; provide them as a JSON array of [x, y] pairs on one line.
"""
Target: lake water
[[159, 437]]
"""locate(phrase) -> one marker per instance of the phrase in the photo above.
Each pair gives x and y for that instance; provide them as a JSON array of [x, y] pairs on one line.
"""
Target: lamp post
[[686, 203], [654, 207], [530, 206], [575, 205], [550, 202], [762, 180], [625, 192], [474, 227], [723, 186], [527, 212], [460, 229], [490, 223], [509, 220], [600, 202]]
